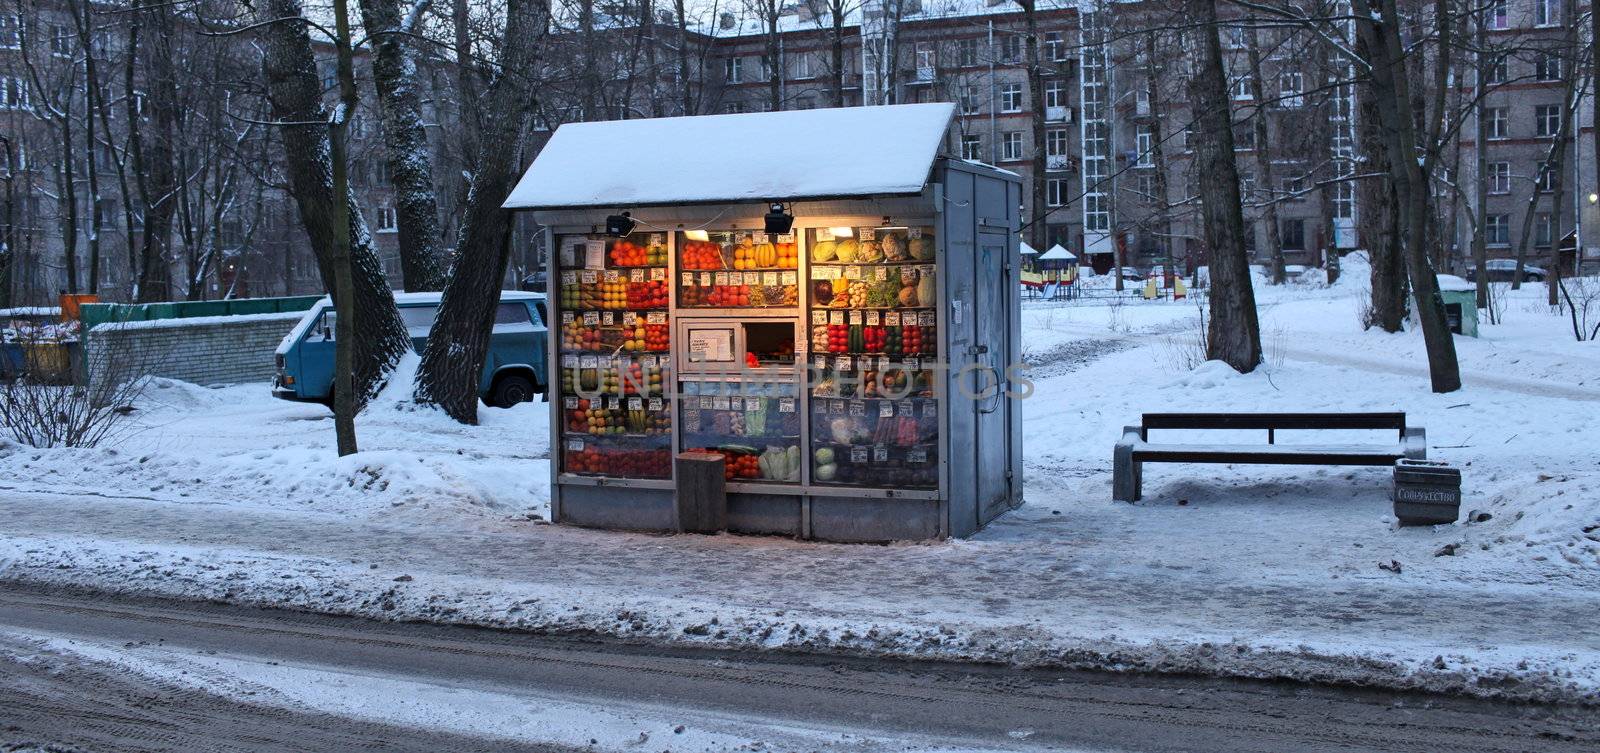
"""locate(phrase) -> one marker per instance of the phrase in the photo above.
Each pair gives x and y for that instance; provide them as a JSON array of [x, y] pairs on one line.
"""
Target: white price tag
[[836, 317], [589, 277], [655, 403], [786, 237], [567, 317], [907, 408], [650, 362], [855, 316], [821, 362], [608, 318], [866, 233], [880, 274], [843, 363], [858, 454], [930, 409], [594, 254], [885, 409], [880, 454], [819, 317], [836, 407], [705, 279], [719, 403], [575, 445], [858, 408], [914, 364], [915, 232], [569, 277], [769, 278], [722, 278], [658, 274], [790, 278], [786, 405], [927, 318], [891, 319], [658, 239], [763, 237], [917, 456], [635, 403], [629, 318], [613, 403], [612, 275], [852, 273], [588, 362], [872, 318], [656, 317], [570, 403], [688, 279], [569, 362], [636, 275]]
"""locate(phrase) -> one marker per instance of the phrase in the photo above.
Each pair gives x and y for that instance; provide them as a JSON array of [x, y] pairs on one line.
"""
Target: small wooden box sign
[[1426, 492]]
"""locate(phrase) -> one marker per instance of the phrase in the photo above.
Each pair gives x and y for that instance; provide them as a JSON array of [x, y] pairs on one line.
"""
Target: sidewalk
[[1034, 589]]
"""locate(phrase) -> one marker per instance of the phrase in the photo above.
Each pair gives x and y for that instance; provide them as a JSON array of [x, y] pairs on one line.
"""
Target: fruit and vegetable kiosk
[[836, 316]]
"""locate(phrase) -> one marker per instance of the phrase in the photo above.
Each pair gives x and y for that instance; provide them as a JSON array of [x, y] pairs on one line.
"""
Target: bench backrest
[[1395, 421]]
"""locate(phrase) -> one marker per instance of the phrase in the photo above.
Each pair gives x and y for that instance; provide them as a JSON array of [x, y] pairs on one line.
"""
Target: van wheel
[[510, 390]]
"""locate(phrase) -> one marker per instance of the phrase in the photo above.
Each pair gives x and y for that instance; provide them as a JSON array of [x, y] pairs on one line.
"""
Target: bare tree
[[459, 342], [1264, 154], [331, 218], [1379, 28], [1235, 333]]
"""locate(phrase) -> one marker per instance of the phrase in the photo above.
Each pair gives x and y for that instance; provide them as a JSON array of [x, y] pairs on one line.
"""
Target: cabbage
[[824, 455], [842, 430], [826, 472]]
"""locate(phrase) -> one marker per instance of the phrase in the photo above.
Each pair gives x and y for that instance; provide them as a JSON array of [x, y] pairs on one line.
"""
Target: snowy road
[[118, 674], [1058, 597]]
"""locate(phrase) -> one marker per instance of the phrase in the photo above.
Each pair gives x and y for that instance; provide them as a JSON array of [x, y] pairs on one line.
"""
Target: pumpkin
[[922, 248], [824, 251]]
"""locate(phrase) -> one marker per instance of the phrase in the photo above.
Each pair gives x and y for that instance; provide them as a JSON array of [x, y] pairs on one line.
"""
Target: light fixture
[[696, 235], [777, 220], [1594, 198], [619, 225], [842, 232]]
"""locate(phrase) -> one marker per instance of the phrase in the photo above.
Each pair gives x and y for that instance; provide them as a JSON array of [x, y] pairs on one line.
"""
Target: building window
[[733, 108], [13, 93], [1547, 66], [1011, 98], [1344, 200], [1497, 177], [1241, 87], [1495, 122], [731, 69], [1542, 230], [1497, 70], [10, 31], [1011, 145], [1055, 192], [1145, 184], [969, 99], [1245, 138], [386, 220], [1546, 182], [1546, 120], [1055, 93], [1144, 141], [1293, 187], [1545, 13], [1235, 37], [1055, 48], [1011, 49], [1055, 142], [1499, 15], [60, 41], [1291, 86], [972, 147], [967, 52], [927, 57], [1497, 230], [1293, 235], [802, 65]]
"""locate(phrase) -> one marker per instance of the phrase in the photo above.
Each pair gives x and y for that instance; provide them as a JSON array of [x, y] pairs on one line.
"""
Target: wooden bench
[[1135, 448]]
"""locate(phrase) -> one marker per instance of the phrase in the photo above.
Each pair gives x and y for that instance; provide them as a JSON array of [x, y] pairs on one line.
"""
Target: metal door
[[992, 445]]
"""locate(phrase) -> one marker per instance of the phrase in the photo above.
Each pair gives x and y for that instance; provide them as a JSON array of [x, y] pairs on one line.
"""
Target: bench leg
[[1125, 471]]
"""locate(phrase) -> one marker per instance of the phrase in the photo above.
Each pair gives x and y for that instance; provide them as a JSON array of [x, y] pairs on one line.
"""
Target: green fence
[[99, 313]]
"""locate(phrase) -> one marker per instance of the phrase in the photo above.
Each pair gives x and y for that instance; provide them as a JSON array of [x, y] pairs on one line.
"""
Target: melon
[[925, 291], [922, 248], [824, 251], [846, 250]]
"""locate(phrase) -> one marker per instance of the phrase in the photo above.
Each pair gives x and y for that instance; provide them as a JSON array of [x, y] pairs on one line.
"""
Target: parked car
[[1505, 270], [1128, 273], [514, 371]]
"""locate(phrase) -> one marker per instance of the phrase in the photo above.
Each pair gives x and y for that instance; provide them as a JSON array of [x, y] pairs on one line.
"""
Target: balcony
[[1058, 114], [1058, 163]]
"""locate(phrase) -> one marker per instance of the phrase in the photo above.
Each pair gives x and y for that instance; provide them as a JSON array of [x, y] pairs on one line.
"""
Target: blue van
[[513, 372]]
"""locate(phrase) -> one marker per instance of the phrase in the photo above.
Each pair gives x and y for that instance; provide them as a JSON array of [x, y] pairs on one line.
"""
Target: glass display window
[[737, 269]]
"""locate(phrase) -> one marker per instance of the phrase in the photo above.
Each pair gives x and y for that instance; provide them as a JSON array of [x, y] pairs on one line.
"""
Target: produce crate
[[1426, 492]]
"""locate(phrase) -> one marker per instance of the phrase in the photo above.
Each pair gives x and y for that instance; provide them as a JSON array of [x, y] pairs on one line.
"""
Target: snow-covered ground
[[1265, 571]]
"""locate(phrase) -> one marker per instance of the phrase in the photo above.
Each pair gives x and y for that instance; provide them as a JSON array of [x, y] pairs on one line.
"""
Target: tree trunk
[[8, 223], [1158, 153], [295, 93], [395, 77], [1234, 336], [157, 177], [345, 404], [458, 345], [1480, 189], [837, 9], [1263, 154], [1378, 221], [1391, 93]]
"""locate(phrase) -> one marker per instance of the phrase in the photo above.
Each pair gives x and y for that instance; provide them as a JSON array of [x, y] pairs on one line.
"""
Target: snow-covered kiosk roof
[[1026, 249], [835, 153], [1057, 253]]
